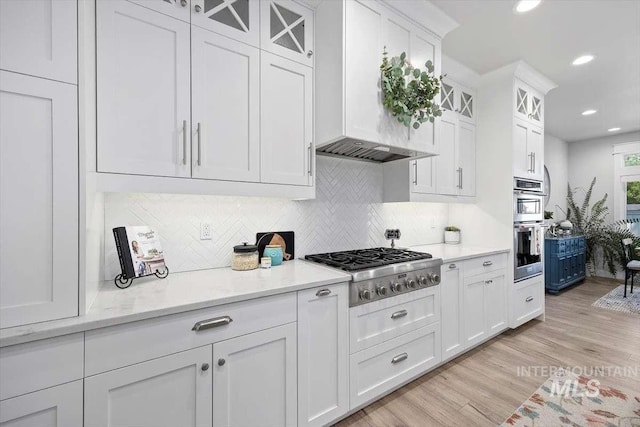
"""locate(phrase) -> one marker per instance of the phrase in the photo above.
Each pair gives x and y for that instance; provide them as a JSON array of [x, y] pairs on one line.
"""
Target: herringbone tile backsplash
[[347, 213]]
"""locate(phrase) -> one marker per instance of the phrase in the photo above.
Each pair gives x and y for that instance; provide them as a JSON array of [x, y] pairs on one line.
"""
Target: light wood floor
[[482, 387]]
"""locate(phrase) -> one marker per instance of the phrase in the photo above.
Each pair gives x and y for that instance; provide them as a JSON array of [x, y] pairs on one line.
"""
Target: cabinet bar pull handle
[[323, 292], [533, 164], [487, 263], [184, 142], [415, 173], [310, 170], [461, 178], [399, 358], [399, 314], [199, 130], [529, 299], [488, 282], [452, 266], [212, 323]]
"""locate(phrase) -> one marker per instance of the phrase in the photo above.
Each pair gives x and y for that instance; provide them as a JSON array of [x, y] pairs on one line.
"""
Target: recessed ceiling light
[[583, 59], [524, 6], [613, 129], [588, 112]]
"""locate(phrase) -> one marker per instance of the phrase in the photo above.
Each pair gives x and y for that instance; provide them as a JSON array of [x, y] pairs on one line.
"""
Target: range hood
[[368, 151], [350, 36]]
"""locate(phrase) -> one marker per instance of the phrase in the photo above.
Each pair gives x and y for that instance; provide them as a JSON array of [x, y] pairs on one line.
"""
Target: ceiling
[[549, 38]]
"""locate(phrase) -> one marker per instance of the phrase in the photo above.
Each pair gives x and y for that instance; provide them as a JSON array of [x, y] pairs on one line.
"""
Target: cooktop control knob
[[396, 287], [423, 281], [434, 278], [381, 290], [365, 294], [411, 283]]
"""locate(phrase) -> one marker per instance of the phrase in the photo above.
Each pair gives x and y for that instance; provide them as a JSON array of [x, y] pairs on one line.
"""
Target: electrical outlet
[[205, 231]]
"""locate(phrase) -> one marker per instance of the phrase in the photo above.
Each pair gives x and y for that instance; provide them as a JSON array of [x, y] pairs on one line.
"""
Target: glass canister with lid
[[245, 257]]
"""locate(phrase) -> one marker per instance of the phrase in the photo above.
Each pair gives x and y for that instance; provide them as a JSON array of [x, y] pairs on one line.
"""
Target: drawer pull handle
[[488, 282], [399, 358], [529, 299], [487, 263], [399, 314], [323, 292], [452, 266], [212, 323]]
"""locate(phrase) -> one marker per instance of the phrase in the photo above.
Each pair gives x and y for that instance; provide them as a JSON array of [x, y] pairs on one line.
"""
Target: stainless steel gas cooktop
[[380, 273]]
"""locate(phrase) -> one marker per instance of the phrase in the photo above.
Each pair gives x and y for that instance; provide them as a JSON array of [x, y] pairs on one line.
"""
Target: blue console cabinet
[[565, 262]]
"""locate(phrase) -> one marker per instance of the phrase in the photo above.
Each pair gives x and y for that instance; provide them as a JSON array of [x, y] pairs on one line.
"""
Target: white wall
[[348, 213], [593, 157], [556, 160]]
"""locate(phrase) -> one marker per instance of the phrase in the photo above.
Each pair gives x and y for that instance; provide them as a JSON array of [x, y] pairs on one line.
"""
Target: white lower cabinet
[[485, 306], [59, 406], [376, 370], [323, 354], [170, 391], [527, 301], [254, 379], [451, 291]]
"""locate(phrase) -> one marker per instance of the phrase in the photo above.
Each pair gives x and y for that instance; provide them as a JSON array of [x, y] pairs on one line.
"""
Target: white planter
[[452, 237]]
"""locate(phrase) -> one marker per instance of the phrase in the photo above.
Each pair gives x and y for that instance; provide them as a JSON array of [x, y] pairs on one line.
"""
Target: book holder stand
[[123, 282]]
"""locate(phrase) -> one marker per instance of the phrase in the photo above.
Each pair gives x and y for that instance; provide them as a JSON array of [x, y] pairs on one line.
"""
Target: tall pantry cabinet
[[233, 103], [38, 161]]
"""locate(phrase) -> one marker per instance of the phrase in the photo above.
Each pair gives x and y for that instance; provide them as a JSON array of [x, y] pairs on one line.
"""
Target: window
[[627, 183]]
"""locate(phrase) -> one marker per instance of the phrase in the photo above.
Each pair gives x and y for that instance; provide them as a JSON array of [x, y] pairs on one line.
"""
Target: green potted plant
[[451, 235], [409, 92]]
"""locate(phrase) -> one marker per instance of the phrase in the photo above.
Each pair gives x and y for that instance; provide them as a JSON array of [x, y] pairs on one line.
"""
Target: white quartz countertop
[[451, 253], [152, 297]]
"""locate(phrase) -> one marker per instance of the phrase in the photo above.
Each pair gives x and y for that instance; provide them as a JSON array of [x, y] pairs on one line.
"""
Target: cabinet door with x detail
[[236, 19], [287, 30]]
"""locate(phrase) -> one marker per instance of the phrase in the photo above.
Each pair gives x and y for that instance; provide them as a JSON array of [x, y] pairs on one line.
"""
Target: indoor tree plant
[[604, 240], [408, 92]]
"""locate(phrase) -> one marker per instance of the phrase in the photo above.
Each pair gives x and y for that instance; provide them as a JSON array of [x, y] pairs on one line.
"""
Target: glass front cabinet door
[[287, 30], [236, 19]]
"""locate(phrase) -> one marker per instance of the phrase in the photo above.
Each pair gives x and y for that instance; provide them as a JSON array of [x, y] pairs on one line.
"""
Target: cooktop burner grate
[[363, 259]]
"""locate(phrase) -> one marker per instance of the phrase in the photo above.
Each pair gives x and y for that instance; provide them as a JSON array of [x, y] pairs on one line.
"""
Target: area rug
[[614, 300], [571, 400]]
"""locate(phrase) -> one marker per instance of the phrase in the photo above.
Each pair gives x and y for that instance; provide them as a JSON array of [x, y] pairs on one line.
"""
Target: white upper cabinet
[[226, 108], [447, 181], [180, 9], [39, 207], [528, 103], [287, 30], [174, 390], [286, 109], [528, 150], [458, 99], [143, 99], [237, 19], [39, 38], [466, 159]]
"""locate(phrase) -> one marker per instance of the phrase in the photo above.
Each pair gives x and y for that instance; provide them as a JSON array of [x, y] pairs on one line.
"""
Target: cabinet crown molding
[[524, 72], [425, 14]]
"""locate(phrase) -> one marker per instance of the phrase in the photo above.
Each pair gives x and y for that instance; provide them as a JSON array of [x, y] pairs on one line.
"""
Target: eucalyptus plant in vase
[[408, 92]]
